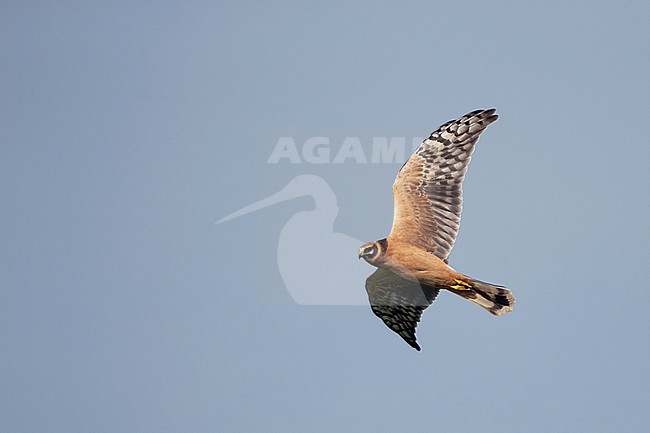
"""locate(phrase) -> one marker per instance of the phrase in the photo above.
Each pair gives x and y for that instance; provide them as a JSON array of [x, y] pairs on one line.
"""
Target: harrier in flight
[[412, 260]]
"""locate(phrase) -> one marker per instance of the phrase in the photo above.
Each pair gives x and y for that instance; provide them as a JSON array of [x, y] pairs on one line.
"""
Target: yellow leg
[[462, 285]]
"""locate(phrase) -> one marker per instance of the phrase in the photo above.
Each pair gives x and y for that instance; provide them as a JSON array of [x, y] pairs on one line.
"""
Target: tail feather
[[496, 299]]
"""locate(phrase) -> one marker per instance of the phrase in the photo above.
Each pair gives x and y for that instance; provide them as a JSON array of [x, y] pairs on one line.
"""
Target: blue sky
[[127, 130]]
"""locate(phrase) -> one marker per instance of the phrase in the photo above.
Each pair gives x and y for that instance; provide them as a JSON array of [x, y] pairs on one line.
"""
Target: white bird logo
[[325, 275]]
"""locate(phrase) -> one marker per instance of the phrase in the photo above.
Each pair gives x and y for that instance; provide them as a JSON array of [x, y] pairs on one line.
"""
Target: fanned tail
[[496, 299]]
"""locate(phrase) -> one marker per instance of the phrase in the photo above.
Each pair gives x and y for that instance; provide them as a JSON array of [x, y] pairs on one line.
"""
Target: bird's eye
[[370, 251]]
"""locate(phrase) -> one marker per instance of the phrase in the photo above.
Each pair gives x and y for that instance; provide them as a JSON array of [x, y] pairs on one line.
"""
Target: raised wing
[[399, 302], [428, 189]]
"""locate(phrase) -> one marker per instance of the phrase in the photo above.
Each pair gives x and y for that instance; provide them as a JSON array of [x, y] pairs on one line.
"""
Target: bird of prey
[[413, 260]]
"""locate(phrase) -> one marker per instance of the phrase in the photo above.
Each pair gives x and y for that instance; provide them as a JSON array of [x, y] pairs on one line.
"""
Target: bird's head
[[372, 251]]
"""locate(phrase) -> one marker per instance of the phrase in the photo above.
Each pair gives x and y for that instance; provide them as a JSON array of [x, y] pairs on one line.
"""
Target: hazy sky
[[128, 129]]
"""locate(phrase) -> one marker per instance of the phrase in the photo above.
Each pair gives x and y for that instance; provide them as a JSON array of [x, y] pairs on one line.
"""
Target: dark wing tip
[[411, 341], [489, 115], [486, 111], [409, 336]]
